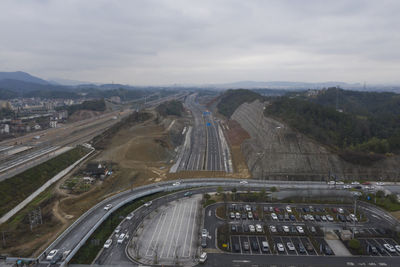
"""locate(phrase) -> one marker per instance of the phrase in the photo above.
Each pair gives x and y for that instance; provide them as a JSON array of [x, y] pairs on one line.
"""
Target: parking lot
[[283, 229]]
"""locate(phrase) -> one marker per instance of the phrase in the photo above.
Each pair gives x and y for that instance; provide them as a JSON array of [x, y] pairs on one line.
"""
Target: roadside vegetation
[[16, 189], [173, 107], [88, 252], [93, 105]]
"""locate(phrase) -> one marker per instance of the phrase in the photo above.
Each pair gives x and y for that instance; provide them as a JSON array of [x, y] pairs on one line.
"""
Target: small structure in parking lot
[[345, 235]]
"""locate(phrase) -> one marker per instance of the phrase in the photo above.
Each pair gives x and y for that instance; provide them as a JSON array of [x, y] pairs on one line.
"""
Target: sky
[[151, 42]]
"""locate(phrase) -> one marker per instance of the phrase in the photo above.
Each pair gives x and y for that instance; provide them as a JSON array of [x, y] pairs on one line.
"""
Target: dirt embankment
[[83, 115], [275, 151]]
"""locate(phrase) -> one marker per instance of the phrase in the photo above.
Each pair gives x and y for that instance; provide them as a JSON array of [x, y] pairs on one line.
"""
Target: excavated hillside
[[274, 151]]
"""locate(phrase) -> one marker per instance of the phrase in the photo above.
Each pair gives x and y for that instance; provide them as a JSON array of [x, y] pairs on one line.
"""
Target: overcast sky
[[166, 42]]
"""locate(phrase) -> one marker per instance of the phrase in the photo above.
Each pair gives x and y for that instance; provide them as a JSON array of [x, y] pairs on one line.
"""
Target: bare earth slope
[[275, 151]]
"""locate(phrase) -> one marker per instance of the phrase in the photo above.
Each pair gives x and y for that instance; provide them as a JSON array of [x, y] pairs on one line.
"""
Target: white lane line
[[187, 230], [173, 239], [159, 232], [169, 230], [192, 221], [162, 216], [181, 225]]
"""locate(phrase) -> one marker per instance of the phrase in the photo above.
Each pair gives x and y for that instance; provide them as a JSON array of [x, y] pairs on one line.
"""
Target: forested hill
[[232, 99], [370, 122]]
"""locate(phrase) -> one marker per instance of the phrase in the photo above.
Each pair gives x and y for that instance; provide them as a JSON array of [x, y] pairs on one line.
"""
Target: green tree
[[274, 189], [219, 190], [380, 194], [354, 244]]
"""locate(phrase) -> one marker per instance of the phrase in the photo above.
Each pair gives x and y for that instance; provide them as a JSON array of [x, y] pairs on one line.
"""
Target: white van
[[203, 257], [265, 246]]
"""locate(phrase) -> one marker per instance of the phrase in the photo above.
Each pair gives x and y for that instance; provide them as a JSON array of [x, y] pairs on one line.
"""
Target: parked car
[[204, 233], [252, 228], [323, 218], [246, 245], [329, 217], [300, 229], [250, 215], [288, 209], [302, 249], [272, 228], [290, 246], [285, 229], [280, 247], [273, 216], [265, 246], [259, 228], [372, 249], [292, 217], [236, 247], [233, 228], [254, 245], [232, 215], [389, 248], [309, 247], [237, 215]]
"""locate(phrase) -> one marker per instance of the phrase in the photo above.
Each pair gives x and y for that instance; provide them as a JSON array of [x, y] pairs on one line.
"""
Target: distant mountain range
[[24, 82]]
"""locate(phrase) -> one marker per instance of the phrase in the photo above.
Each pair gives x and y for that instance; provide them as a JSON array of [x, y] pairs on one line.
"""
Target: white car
[[353, 217], [108, 243], [237, 215], [290, 246], [247, 207], [250, 215], [252, 228], [108, 207], [288, 209], [340, 210], [280, 247], [380, 183], [51, 255], [347, 186], [300, 229], [397, 248], [232, 215], [118, 229], [203, 257], [286, 229], [243, 182], [273, 216], [272, 228], [176, 183], [355, 183], [130, 216], [323, 217], [331, 182], [148, 204], [259, 228], [389, 247], [310, 217], [121, 238], [204, 233], [329, 217], [339, 182]]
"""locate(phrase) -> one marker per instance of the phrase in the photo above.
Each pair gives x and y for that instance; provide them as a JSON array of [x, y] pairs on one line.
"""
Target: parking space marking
[[163, 216], [169, 230], [173, 240], [193, 218]]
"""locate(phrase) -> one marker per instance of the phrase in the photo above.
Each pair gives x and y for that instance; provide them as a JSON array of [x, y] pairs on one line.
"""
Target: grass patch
[[14, 190], [88, 252]]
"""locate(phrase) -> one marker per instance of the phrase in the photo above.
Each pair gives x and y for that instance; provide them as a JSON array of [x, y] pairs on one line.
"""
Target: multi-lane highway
[[207, 149]]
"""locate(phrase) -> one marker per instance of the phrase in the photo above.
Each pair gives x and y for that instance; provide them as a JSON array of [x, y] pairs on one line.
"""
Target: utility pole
[[4, 240]]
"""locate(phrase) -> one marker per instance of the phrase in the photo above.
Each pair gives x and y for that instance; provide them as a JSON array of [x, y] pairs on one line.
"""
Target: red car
[[276, 209], [334, 210]]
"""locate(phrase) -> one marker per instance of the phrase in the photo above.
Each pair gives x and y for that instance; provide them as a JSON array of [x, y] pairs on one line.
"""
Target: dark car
[[280, 217], [204, 242], [317, 218], [292, 217], [254, 245], [244, 216], [380, 249], [325, 249], [309, 247], [233, 228], [302, 249], [236, 247], [255, 215], [246, 228], [306, 209], [341, 218], [372, 249]]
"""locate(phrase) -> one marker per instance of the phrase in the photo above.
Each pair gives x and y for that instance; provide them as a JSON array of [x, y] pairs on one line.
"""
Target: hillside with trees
[[173, 107], [232, 99]]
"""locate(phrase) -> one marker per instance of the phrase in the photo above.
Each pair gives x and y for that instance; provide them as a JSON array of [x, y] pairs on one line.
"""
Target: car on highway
[[51, 254], [108, 207], [285, 229], [204, 233], [288, 209], [300, 229], [203, 257], [243, 182], [148, 204], [272, 228], [108, 243], [118, 229], [290, 246], [259, 228], [130, 216], [280, 247], [389, 248], [56, 258], [176, 183], [121, 238], [273, 216]]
